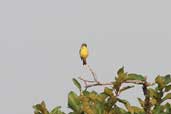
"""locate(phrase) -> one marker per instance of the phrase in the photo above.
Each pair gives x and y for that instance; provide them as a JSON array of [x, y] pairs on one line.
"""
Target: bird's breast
[[84, 53]]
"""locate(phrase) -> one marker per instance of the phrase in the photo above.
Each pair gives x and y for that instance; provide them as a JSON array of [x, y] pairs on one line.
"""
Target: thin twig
[[93, 73], [86, 80]]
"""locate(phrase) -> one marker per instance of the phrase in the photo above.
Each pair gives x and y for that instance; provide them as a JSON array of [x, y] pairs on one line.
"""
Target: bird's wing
[[80, 53]]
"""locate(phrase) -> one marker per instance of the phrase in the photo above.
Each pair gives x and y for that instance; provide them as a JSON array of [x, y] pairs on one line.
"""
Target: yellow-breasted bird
[[84, 53]]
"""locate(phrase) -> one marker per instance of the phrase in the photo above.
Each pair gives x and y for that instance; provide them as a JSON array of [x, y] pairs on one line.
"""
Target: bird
[[84, 53]]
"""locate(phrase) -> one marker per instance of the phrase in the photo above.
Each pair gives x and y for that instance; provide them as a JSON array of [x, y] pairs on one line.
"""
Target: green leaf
[[92, 96], [118, 110], [127, 105], [158, 110], [73, 101], [160, 81], [167, 96], [108, 91], [120, 71], [153, 101], [101, 97], [167, 78], [122, 101], [121, 75], [40, 108], [167, 88], [136, 109], [86, 93], [153, 93], [99, 108], [133, 76], [57, 110], [125, 88], [167, 108], [76, 83]]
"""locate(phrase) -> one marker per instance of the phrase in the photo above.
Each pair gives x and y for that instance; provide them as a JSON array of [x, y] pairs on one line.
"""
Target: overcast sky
[[40, 41]]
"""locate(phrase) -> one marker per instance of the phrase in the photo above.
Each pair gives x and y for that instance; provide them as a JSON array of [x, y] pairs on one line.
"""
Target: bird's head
[[84, 44]]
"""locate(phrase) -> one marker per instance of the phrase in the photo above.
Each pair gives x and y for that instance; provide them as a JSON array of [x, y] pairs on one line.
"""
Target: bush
[[155, 100]]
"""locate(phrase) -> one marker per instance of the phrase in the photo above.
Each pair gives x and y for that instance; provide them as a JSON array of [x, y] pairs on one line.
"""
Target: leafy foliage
[[106, 102], [41, 109]]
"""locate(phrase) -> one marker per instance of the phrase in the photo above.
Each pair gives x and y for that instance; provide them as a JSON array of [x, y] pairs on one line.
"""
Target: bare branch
[[95, 82]]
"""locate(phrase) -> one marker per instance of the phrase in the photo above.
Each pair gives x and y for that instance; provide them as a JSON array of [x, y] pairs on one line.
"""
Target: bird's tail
[[84, 62]]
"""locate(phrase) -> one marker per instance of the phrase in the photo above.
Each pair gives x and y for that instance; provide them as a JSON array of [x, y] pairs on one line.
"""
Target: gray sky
[[40, 40]]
